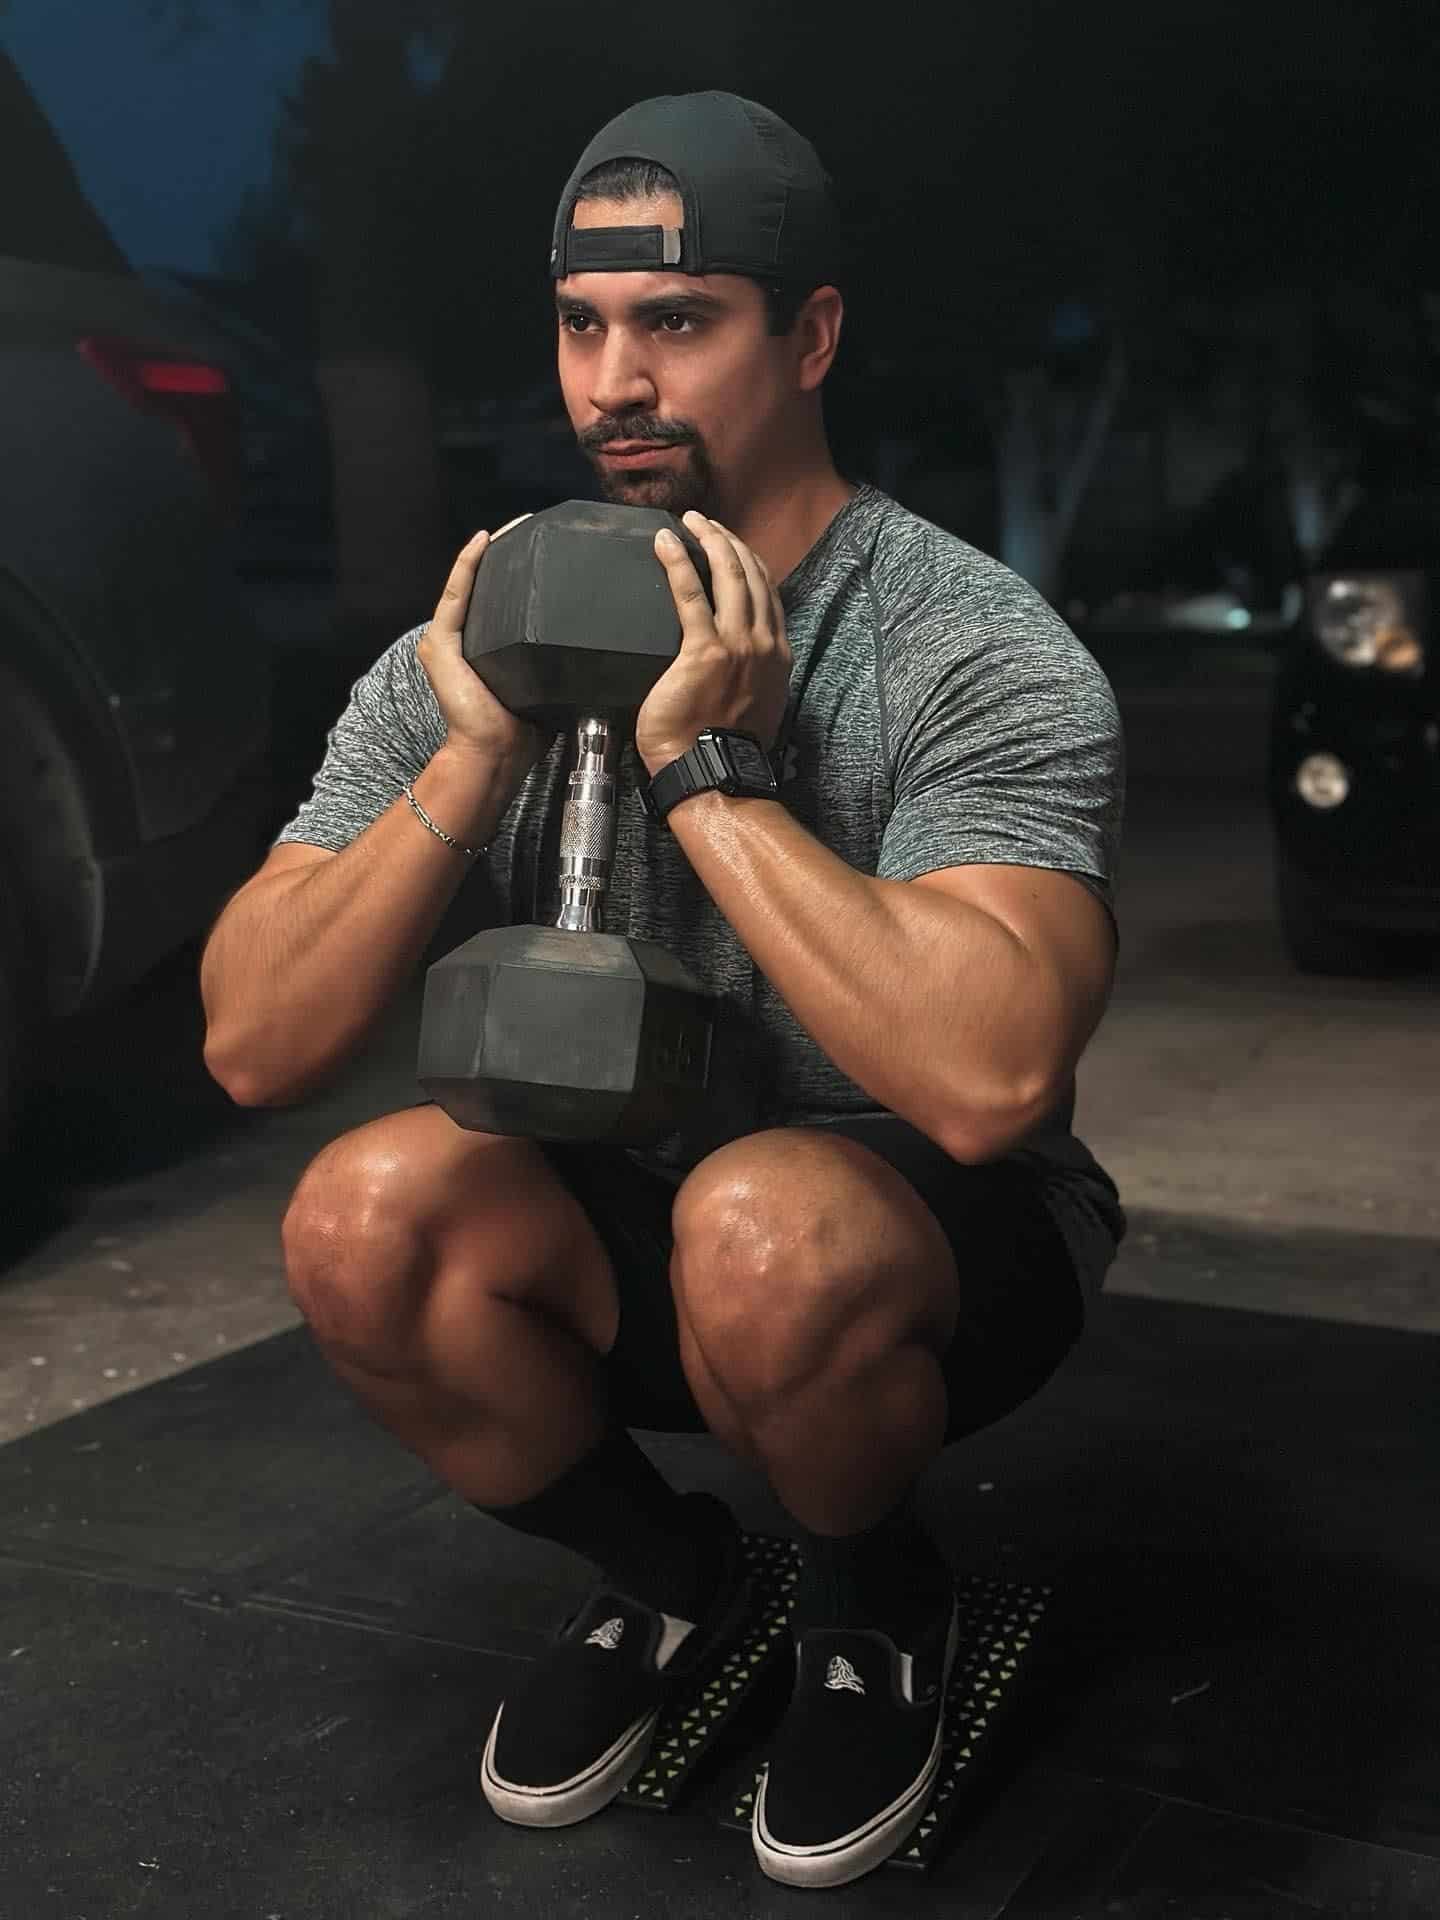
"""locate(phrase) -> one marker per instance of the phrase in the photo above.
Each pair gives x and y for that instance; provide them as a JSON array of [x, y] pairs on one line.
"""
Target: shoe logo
[[840, 1673], [607, 1636]]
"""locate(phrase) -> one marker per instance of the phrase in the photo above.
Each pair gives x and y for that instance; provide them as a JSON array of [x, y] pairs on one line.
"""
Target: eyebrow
[[654, 309]]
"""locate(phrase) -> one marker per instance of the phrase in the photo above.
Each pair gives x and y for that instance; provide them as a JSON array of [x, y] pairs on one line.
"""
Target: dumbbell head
[[572, 612], [576, 1036], [556, 1036]]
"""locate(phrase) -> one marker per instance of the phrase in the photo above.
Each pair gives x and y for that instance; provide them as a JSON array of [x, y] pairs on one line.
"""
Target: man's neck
[[784, 524]]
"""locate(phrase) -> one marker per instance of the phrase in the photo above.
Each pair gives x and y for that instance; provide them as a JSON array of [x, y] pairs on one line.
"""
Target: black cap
[[757, 200]]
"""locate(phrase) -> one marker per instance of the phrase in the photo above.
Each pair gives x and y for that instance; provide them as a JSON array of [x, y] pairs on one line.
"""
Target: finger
[[762, 600], [455, 595], [769, 610], [692, 603], [734, 614]]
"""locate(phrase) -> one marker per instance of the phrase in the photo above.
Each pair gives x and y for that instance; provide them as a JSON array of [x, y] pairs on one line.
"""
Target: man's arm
[[1071, 940], [960, 1002]]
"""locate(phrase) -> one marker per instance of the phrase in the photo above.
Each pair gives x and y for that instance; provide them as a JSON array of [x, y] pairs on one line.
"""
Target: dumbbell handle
[[588, 828]]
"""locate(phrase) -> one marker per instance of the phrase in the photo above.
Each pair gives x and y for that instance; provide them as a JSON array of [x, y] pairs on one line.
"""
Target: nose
[[620, 376]]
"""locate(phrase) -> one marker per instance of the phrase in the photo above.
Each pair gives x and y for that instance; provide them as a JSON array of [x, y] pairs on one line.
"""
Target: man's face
[[674, 385]]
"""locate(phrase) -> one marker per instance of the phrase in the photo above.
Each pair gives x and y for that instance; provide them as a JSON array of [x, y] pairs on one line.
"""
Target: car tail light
[[189, 391]]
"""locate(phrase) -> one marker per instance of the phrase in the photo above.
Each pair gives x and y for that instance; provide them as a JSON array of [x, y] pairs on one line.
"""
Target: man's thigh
[[1020, 1308]]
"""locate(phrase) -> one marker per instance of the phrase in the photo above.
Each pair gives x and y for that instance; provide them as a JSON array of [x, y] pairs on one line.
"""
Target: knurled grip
[[588, 828]]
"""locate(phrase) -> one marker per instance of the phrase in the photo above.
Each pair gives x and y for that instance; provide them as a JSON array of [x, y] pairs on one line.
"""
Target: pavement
[[1276, 1138]]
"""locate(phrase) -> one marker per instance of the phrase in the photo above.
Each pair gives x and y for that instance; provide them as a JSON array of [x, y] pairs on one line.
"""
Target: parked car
[[1354, 763], [134, 696], [285, 503]]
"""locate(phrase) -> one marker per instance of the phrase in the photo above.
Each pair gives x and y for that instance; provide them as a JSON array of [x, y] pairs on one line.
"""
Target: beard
[[685, 486]]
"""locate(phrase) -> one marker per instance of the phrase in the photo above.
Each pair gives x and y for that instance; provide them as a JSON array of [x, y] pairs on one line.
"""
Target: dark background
[[1143, 286]]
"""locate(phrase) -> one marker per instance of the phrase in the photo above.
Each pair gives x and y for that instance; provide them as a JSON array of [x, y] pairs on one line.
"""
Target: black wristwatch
[[721, 759]]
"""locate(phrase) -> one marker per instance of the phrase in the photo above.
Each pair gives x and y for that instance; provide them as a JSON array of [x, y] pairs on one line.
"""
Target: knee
[[798, 1256], [778, 1302], [769, 1315], [356, 1260]]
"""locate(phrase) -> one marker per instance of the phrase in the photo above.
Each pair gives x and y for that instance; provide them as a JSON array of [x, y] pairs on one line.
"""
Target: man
[[917, 922]]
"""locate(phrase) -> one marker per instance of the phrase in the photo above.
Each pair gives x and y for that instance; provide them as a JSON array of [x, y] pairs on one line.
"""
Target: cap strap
[[601, 249]]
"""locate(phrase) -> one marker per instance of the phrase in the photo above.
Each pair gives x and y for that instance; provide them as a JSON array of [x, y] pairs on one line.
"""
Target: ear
[[817, 335]]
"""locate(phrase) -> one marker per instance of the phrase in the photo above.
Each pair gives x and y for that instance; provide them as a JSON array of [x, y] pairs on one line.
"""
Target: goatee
[[679, 489]]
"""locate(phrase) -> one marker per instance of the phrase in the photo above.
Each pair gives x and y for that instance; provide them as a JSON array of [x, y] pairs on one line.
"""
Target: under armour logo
[[608, 1636], [840, 1673]]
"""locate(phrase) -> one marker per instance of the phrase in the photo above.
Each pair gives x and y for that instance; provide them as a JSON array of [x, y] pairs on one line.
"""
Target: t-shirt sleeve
[[1007, 746], [387, 735]]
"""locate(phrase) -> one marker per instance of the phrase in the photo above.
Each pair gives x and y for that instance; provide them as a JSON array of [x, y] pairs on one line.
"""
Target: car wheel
[[1316, 943]]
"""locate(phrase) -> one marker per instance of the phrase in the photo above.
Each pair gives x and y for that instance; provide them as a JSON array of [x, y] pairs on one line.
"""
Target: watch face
[[750, 763]]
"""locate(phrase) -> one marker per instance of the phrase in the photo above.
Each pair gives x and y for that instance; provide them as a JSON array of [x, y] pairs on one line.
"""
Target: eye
[[575, 322], [679, 320]]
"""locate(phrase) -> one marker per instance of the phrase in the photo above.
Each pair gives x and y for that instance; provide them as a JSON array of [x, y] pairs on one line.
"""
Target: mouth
[[636, 453]]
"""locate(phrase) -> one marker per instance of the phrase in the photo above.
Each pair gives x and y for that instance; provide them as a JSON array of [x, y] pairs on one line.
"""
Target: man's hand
[[733, 668], [476, 722]]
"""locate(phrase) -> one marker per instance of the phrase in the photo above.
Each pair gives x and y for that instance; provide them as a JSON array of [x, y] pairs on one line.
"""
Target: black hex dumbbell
[[567, 1032]]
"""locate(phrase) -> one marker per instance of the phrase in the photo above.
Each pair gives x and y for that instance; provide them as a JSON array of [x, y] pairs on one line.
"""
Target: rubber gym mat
[[1235, 1512], [165, 1760], [210, 1479]]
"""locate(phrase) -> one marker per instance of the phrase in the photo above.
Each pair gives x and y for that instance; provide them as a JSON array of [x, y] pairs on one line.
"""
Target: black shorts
[[1021, 1308]]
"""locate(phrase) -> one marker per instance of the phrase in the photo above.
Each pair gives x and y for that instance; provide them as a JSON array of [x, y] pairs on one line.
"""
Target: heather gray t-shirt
[[940, 713]]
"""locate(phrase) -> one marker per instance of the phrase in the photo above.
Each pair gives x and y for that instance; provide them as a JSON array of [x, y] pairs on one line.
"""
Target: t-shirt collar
[[800, 575]]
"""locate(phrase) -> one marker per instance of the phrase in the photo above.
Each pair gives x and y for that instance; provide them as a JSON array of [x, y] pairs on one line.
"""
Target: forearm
[[301, 964], [919, 1002]]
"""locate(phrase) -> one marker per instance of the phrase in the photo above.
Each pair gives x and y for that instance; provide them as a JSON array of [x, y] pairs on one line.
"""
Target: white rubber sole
[[569, 1801], [867, 1847]]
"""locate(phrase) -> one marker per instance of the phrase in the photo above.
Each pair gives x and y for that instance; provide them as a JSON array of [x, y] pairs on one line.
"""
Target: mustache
[[662, 433]]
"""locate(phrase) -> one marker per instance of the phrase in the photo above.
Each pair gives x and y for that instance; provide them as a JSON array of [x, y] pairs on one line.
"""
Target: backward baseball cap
[[757, 199]]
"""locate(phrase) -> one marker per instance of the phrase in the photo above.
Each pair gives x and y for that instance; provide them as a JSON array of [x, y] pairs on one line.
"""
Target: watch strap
[[701, 769]]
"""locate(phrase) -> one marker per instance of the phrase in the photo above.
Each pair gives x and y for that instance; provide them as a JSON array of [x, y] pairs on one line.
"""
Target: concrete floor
[[1226, 1094]]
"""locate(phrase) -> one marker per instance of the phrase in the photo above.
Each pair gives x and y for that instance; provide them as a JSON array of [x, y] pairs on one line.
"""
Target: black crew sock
[[891, 1576], [656, 1545]]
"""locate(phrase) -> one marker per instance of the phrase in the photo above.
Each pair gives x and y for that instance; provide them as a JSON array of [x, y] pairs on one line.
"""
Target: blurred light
[[1238, 617], [180, 376], [1322, 781], [1367, 621], [1397, 650], [193, 394]]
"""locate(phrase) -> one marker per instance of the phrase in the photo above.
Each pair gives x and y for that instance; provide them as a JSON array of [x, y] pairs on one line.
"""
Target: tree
[[52, 220], [977, 213], [347, 145], [1133, 157], [425, 217], [343, 161]]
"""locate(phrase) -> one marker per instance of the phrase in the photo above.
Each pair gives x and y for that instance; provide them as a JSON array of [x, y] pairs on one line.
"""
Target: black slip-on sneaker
[[579, 1726]]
